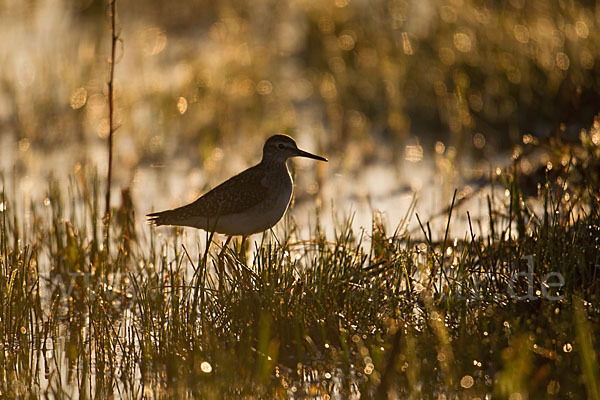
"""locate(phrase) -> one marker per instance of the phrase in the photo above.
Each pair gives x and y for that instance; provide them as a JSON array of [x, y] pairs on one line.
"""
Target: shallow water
[[334, 191]]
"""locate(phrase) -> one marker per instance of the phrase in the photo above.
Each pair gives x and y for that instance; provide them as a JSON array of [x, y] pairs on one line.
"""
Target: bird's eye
[[280, 146]]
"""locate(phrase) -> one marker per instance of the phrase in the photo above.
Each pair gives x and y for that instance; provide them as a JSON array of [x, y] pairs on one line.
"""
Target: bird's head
[[282, 147]]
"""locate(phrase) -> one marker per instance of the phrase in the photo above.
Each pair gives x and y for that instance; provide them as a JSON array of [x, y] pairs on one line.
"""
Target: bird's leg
[[243, 249], [224, 248], [243, 257], [221, 263]]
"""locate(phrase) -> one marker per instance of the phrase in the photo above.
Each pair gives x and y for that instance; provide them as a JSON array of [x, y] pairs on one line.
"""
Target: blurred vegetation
[[370, 312], [477, 75]]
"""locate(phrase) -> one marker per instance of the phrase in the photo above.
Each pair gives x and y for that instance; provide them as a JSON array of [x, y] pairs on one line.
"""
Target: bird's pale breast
[[261, 216]]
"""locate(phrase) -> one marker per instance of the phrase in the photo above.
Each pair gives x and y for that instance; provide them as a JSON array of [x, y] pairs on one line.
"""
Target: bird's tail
[[168, 217]]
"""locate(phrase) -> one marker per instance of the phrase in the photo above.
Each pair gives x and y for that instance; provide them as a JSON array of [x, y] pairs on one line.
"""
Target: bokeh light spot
[[206, 367], [440, 147], [467, 381], [475, 102], [78, 98], [582, 29], [562, 61], [414, 153], [24, 145], [462, 42], [264, 88], [326, 24], [182, 105], [521, 33], [346, 42], [327, 88], [154, 40], [479, 140]]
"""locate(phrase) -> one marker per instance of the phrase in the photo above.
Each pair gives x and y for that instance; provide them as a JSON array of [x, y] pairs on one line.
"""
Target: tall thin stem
[[112, 5]]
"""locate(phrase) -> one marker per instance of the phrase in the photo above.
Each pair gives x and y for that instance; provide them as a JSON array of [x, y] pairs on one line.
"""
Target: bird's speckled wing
[[235, 195]]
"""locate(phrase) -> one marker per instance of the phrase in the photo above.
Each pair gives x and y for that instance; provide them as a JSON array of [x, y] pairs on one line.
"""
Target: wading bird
[[250, 202]]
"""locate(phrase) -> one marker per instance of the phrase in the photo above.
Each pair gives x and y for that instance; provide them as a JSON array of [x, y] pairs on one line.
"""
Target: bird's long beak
[[302, 153]]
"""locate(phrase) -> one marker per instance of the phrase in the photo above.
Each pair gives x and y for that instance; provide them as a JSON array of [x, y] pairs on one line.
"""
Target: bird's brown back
[[241, 192]]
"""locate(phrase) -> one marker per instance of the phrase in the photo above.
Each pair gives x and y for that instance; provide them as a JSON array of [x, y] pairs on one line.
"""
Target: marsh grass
[[373, 313]]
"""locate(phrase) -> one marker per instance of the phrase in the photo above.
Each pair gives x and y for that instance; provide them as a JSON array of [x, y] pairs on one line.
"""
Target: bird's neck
[[275, 172], [274, 163]]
